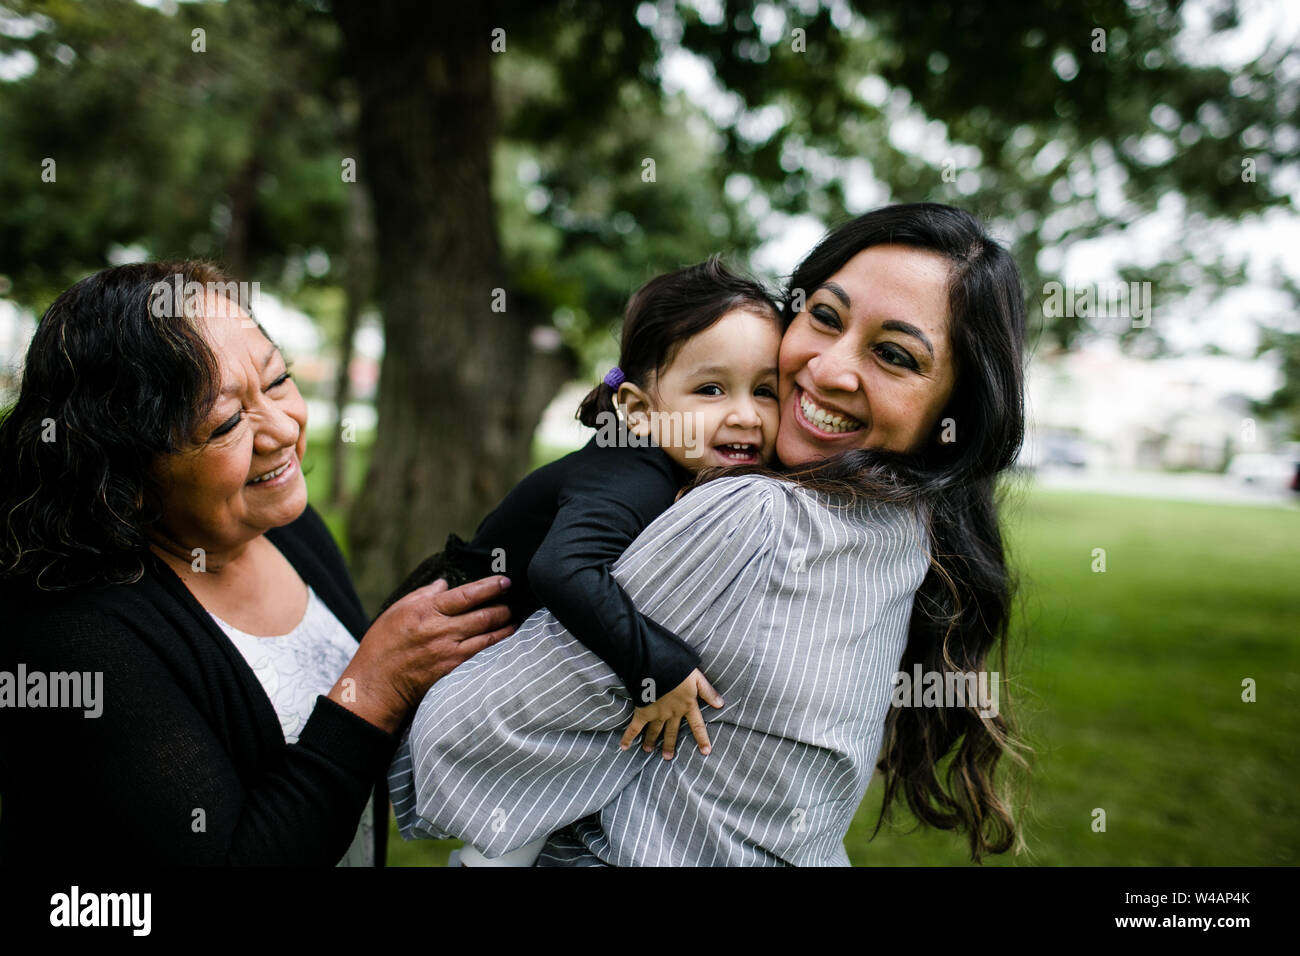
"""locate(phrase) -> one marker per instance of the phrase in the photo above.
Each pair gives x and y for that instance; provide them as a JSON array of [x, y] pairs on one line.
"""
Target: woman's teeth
[[826, 421], [271, 474]]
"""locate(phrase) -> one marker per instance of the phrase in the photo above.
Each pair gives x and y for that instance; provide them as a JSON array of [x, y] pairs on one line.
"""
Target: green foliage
[[1282, 338], [599, 228], [235, 152], [231, 153]]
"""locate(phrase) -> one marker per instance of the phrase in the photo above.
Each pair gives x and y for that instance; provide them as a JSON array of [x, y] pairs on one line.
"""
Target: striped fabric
[[798, 606]]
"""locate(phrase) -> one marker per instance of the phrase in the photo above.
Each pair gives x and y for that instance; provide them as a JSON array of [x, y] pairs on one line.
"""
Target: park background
[[445, 207]]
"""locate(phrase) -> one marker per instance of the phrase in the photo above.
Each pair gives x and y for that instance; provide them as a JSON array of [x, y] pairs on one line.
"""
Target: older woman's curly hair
[[117, 374]]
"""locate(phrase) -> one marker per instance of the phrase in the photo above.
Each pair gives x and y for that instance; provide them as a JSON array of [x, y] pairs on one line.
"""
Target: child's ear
[[634, 407]]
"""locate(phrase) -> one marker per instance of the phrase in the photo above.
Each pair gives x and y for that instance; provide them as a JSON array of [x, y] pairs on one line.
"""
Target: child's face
[[717, 402]]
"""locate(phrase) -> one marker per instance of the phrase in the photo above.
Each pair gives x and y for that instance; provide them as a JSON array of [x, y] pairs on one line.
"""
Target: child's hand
[[665, 716]]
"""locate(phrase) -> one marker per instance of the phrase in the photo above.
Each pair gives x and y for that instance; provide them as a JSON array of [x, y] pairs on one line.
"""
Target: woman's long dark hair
[[117, 374], [961, 611], [664, 313]]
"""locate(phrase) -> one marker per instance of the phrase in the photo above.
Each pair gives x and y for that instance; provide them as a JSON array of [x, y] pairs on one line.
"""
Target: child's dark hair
[[668, 310]]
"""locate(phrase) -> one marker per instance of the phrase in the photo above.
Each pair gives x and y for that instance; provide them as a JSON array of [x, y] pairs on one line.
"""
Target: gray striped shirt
[[798, 605]]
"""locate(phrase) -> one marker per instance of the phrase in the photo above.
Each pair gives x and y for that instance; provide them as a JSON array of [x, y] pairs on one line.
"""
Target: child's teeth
[[733, 448]]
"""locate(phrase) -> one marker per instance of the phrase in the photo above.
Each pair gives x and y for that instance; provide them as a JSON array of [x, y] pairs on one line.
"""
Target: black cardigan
[[558, 533], [187, 764]]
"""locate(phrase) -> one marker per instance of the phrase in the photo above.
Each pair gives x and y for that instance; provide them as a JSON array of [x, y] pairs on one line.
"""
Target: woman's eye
[[227, 425], [896, 356], [280, 381], [709, 390], [826, 316]]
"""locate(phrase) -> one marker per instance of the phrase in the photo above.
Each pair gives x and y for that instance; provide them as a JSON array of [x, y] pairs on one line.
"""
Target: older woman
[[803, 592], [158, 553]]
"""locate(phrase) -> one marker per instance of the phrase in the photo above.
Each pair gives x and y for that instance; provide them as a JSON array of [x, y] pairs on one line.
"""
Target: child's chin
[[728, 462]]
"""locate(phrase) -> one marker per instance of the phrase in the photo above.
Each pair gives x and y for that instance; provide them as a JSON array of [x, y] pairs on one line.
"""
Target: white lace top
[[296, 667]]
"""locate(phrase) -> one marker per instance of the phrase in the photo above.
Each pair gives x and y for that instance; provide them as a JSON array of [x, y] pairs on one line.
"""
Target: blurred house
[[1096, 408]]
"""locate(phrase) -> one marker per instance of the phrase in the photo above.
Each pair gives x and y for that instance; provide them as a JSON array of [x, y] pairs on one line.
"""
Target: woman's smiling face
[[258, 426], [868, 363]]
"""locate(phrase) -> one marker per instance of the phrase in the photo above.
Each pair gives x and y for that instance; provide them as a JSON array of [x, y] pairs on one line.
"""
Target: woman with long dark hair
[[875, 549]]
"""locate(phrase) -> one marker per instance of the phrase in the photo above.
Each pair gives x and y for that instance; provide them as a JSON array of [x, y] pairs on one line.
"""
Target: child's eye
[[767, 391], [709, 390]]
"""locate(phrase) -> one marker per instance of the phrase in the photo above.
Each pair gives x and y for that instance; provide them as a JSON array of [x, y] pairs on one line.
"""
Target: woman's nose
[[277, 429], [834, 370]]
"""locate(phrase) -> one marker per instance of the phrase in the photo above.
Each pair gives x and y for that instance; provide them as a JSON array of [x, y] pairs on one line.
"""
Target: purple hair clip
[[614, 377]]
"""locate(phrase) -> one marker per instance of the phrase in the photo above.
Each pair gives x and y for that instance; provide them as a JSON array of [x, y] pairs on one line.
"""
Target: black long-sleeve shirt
[[187, 762], [556, 536]]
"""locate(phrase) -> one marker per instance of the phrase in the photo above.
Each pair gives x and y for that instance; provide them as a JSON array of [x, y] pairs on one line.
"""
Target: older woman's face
[[242, 474], [868, 362]]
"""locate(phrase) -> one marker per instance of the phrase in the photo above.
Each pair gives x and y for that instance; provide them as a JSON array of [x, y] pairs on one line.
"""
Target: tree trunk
[[454, 428], [358, 284]]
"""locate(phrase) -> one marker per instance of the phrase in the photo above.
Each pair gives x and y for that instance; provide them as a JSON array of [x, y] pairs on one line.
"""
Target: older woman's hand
[[418, 640]]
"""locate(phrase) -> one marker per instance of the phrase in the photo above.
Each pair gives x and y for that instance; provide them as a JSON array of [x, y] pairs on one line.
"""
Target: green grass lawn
[[1129, 686]]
